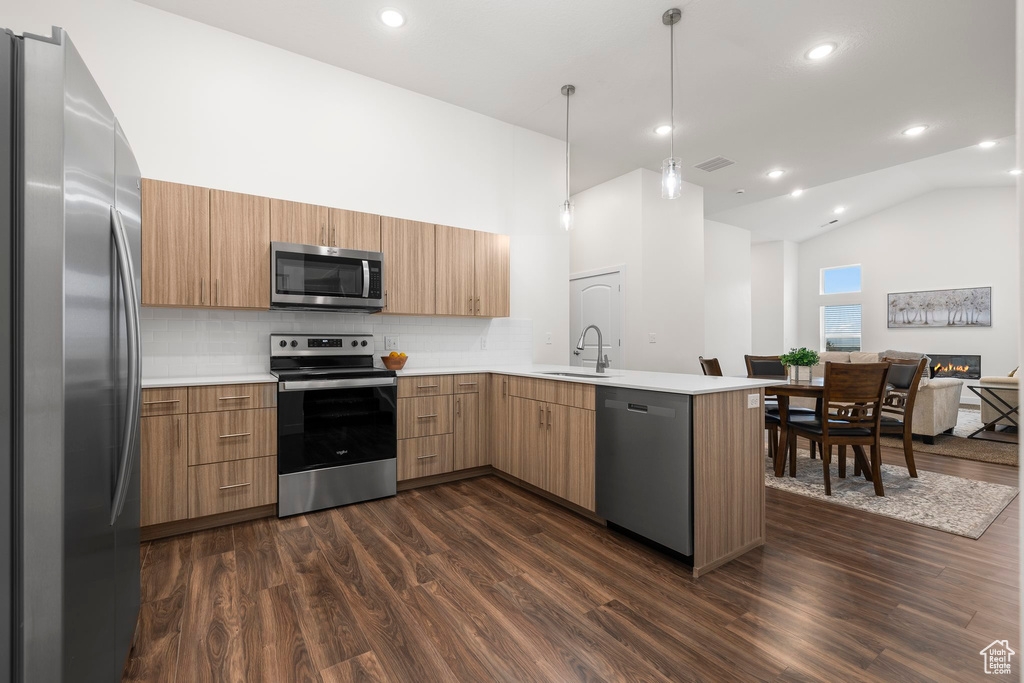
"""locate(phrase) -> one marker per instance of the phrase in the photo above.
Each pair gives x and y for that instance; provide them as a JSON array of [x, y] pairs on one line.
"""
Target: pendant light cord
[[567, 94], [672, 89]]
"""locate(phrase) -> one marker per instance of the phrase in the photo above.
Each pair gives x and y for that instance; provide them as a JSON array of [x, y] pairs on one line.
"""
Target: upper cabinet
[[298, 223], [211, 248], [491, 275], [409, 275], [455, 254], [354, 230], [240, 250], [175, 244]]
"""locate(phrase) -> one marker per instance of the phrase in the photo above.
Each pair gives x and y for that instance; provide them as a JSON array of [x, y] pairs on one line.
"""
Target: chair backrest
[[904, 380], [710, 366], [764, 366], [854, 393]]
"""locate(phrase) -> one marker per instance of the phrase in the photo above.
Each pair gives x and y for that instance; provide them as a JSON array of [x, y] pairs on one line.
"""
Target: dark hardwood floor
[[479, 580]]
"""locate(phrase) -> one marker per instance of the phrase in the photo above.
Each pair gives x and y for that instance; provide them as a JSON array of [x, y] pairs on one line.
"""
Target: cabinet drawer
[[424, 416], [424, 456], [231, 397], [467, 384], [232, 435], [235, 485], [432, 385], [164, 401], [572, 394]]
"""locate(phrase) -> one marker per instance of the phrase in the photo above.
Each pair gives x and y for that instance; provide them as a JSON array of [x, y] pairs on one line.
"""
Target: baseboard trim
[[582, 511], [457, 475], [719, 561], [187, 526]]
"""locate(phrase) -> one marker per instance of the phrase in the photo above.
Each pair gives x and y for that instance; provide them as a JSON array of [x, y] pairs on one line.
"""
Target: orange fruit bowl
[[394, 362]]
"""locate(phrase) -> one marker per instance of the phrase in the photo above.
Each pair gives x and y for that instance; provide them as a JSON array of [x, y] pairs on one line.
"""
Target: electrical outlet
[[652, 338], [483, 343], [390, 343], [547, 338], [753, 400]]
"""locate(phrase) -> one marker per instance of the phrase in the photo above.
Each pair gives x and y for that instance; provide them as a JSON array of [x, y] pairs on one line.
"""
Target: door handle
[[129, 435], [366, 279]]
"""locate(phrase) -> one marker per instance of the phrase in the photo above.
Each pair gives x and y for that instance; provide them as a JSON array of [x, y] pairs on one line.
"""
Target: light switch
[[547, 338], [652, 338], [390, 343], [753, 400]]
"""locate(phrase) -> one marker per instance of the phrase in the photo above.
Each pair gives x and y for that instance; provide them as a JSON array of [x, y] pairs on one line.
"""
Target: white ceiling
[[806, 216], [744, 89]]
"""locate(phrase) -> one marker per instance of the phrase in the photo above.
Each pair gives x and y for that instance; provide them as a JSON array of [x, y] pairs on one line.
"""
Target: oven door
[[308, 276], [335, 422]]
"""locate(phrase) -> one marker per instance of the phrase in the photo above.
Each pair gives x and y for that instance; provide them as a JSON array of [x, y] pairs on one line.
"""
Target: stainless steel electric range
[[336, 434]]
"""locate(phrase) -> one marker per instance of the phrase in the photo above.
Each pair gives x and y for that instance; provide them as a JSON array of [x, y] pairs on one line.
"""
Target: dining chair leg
[[792, 454], [842, 461], [861, 458], [908, 452], [826, 451], [814, 446], [876, 468], [856, 467]]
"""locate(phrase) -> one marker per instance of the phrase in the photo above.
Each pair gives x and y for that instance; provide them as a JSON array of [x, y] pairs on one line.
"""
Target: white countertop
[[670, 382], [157, 382]]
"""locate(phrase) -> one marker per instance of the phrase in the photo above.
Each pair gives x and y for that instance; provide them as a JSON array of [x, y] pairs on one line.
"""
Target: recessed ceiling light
[[392, 17], [1015, 171], [775, 173], [821, 51], [796, 193], [915, 131], [663, 129], [987, 144], [838, 210]]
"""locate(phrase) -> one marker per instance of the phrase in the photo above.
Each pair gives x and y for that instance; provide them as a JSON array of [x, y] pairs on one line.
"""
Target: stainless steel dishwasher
[[644, 466]]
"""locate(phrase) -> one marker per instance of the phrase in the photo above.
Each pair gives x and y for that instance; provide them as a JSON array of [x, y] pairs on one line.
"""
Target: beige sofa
[[987, 411], [938, 400]]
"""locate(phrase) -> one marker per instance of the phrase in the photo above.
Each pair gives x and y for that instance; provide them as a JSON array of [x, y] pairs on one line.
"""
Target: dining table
[[792, 388]]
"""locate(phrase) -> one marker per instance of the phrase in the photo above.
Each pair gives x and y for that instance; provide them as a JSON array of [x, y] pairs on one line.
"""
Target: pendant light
[[566, 211], [672, 167]]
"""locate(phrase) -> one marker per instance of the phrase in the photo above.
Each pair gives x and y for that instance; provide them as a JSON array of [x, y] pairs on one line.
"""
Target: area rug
[[958, 445], [964, 507]]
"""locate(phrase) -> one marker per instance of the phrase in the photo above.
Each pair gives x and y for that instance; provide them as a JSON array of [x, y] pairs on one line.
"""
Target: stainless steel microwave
[[307, 276]]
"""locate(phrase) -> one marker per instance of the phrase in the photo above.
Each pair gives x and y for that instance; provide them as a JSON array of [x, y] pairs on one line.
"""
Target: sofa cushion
[[863, 357], [834, 356]]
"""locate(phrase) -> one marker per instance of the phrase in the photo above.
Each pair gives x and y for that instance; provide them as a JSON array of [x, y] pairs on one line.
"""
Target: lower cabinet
[[442, 422], [469, 451], [424, 456], [164, 469], [233, 485]]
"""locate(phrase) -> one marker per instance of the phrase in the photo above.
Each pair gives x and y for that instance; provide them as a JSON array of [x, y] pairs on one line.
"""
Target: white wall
[[944, 239], [727, 295], [624, 221], [774, 291], [207, 107]]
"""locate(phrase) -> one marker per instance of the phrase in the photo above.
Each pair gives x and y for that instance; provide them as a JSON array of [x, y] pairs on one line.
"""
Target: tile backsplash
[[196, 343]]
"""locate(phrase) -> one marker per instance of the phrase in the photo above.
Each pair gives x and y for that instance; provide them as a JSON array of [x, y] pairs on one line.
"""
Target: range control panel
[[321, 345]]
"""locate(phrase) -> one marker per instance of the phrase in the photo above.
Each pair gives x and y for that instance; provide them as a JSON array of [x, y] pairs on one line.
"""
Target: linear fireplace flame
[[960, 366]]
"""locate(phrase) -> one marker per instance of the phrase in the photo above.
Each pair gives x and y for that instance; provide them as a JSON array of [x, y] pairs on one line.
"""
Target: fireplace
[[960, 366]]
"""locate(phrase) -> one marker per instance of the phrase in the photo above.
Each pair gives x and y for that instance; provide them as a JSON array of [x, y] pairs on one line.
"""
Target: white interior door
[[596, 300]]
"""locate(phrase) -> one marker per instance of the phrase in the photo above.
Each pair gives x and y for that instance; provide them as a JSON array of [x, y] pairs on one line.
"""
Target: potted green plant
[[800, 358]]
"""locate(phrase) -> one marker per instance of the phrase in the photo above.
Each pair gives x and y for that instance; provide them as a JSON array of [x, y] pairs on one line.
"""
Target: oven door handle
[[366, 279], [313, 385]]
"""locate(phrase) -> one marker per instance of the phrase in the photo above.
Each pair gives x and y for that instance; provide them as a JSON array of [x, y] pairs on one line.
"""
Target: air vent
[[714, 164]]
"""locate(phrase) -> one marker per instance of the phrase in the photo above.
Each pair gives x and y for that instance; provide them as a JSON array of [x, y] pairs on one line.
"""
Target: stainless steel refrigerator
[[70, 247]]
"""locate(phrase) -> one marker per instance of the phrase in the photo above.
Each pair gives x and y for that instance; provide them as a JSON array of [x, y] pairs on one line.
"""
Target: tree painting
[[942, 308]]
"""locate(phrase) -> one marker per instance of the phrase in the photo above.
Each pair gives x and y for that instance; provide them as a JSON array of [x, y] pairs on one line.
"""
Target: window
[[841, 327], [841, 280]]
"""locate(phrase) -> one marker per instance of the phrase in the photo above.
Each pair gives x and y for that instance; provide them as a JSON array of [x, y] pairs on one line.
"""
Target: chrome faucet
[[602, 358]]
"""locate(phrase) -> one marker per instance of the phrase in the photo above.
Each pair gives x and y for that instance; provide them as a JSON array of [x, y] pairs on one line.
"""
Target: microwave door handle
[[366, 279]]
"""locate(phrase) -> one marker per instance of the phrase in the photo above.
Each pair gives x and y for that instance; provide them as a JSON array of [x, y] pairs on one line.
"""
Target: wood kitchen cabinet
[[409, 263], [240, 250], [298, 223], [456, 254], [491, 275], [163, 471], [354, 230], [469, 429], [175, 244], [497, 408]]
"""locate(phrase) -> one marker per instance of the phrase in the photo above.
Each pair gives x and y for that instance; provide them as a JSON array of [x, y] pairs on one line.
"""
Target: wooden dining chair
[[710, 366], [772, 366], [851, 416], [898, 406]]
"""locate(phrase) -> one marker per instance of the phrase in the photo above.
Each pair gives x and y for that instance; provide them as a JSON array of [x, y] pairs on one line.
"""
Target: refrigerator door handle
[[126, 270]]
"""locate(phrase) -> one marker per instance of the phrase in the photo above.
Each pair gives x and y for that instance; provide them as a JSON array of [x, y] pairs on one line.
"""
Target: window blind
[[842, 328]]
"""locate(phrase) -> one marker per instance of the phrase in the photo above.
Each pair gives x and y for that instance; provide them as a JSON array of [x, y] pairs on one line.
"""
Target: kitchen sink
[[586, 375]]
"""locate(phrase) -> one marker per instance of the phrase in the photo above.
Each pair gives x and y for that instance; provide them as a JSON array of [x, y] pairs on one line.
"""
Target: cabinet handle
[[471, 305], [427, 386], [216, 293], [232, 398], [425, 417], [468, 384], [458, 407], [202, 290], [542, 416], [549, 418], [231, 436], [323, 234], [478, 305], [179, 432], [424, 457], [504, 386], [385, 299], [235, 486], [169, 400]]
